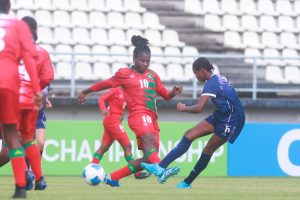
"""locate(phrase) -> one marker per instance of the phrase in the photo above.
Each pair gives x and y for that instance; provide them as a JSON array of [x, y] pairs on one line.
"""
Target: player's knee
[[189, 134]]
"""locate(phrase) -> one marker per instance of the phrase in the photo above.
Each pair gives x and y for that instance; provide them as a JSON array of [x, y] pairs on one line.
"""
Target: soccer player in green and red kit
[[141, 87], [16, 43], [113, 128]]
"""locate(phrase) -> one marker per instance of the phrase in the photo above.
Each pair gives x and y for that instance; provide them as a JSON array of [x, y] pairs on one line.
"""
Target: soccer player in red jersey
[[15, 43], [28, 114], [141, 86], [113, 128]]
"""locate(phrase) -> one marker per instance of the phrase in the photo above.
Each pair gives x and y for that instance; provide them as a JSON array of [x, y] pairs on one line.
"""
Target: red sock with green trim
[[152, 156], [123, 172], [129, 159], [33, 154], [18, 166], [96, 158]]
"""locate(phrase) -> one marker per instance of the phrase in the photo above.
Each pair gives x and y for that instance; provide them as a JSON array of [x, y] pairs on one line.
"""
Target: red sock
[[95, 161], [33, 154], [116, 175], [154, 158], [19, 167], [137, 173], [96, 158]]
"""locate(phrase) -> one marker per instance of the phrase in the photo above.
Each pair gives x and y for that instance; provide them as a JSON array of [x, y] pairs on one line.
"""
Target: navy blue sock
[[198, 168], [179, 150]]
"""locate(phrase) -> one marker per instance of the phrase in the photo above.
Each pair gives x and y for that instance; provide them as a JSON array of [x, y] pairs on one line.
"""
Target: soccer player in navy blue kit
[[226, 122]]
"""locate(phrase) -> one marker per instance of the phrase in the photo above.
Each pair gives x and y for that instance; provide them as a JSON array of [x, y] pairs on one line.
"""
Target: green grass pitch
[[211, 188]]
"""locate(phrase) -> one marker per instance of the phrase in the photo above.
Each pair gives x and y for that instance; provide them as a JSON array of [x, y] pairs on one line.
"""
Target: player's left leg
[[213, 144]]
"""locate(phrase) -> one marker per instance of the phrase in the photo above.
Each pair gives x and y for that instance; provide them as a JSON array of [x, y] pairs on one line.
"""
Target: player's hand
[[105, 112], [37, 100], [177, 90], [181, 107], [81, 97], [48, 103]]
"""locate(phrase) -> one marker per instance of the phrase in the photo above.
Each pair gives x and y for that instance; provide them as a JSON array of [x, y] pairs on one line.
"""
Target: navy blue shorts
[[41, 120], [229, 130]]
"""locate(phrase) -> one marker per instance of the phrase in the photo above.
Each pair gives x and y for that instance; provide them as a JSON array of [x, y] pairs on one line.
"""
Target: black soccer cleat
[[142, 175], [20, 192]]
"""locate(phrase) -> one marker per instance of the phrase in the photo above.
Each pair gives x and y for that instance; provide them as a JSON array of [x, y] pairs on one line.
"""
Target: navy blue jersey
[[229, 118], [223, 97]]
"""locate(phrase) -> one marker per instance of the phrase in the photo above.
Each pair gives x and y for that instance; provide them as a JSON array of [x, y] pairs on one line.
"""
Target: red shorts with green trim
[[9, 107], [141, 124], [114, 131], [27, 122]]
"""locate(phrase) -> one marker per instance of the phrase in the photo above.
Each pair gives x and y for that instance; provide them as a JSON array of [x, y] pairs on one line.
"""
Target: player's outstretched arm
[[177, 89], [82, 95]]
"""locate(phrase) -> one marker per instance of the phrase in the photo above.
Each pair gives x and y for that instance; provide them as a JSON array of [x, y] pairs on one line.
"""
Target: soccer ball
[[93, 174]]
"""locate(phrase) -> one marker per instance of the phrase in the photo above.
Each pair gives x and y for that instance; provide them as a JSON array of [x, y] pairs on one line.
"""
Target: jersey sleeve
[[28, 54], [46, 72], [119, 78], [211, 88], [161, 89], [105, 97]]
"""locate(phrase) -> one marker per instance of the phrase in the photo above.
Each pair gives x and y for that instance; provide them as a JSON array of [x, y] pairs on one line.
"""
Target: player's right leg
[[27, 131], [9, 102]]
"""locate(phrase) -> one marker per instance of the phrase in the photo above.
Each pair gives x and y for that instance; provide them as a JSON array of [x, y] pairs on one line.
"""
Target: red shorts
[[9, 107], [141, 124], [27, 123], [114, 131]]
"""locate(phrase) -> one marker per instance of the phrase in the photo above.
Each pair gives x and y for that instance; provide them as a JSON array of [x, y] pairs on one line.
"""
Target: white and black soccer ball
[[93, 174]]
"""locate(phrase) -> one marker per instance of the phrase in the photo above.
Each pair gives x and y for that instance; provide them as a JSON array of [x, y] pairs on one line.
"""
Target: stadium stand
[[266, 32]]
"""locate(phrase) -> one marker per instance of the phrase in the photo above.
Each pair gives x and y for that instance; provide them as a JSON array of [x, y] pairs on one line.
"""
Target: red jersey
[[16, 42], [140, 90], [116, 101], [45, 75]]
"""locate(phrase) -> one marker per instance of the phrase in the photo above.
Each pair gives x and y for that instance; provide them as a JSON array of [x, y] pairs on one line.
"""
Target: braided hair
[[4, 5], [203, 63], [141, 45]]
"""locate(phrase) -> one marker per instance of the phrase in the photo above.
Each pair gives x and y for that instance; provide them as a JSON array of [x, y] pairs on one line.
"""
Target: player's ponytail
[[203, 63], [141, 45]]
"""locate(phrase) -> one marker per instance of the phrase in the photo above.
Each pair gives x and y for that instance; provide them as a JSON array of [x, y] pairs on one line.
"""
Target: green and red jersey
[[140, 90]]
